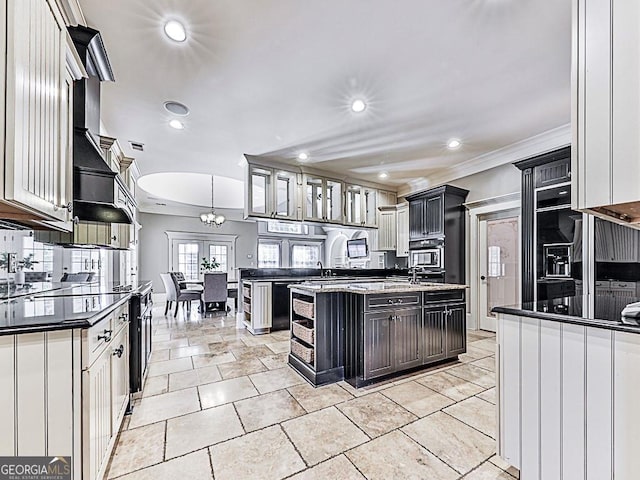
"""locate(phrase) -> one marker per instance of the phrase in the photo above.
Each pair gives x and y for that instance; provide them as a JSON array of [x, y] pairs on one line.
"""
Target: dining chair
[[185, 295], [184, 283], [215, 289]]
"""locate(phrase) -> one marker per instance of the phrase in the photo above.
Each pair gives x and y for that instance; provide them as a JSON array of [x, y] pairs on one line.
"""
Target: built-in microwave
[[427, 258]]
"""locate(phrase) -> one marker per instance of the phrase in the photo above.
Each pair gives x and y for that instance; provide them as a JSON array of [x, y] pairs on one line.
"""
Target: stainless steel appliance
[[557, 258], [428, 258], [140, 307]]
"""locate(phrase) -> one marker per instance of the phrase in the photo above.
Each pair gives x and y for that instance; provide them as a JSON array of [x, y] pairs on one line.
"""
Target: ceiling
[[276, 78]]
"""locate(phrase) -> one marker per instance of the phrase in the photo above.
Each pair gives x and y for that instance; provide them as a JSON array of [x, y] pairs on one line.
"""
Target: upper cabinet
[[426, 217], [322, 199], [361, 206], [271, 193], [276, 190], [402, 230], [39, 69], [606, 109]]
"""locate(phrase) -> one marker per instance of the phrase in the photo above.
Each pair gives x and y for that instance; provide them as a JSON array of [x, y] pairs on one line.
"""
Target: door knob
[[482, 277]]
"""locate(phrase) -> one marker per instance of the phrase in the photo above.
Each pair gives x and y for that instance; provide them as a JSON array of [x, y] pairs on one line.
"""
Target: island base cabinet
[[456, 330], [433, 334], [391, 333], [379, 348]]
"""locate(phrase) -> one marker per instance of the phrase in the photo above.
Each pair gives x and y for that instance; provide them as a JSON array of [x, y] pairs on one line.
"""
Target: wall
[[490, 183], [153, 250]]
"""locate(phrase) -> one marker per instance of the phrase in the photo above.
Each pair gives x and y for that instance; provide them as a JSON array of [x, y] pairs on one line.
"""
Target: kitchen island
[[367, 331], [568, 389]]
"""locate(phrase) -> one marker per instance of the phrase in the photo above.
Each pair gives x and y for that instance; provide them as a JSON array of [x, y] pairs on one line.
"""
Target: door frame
[[200, 238], [478, 209]]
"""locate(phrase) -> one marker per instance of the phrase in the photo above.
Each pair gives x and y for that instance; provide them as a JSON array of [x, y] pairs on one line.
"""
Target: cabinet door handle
[[107, 336], [118, 351]]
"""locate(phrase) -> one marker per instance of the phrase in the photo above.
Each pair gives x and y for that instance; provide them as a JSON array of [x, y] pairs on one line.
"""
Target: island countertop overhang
[[374, 288]]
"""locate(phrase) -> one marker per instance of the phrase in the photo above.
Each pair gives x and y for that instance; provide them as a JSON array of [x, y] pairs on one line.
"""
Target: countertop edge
[[362, 291], [557, 317], [64, 325]]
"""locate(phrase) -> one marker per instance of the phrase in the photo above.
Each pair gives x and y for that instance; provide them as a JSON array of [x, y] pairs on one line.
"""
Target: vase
[[19, 277]]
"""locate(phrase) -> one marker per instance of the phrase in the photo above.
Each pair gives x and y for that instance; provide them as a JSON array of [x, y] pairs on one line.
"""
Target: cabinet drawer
[[120, 317], [95, 339], [444, 296], [378, 302]]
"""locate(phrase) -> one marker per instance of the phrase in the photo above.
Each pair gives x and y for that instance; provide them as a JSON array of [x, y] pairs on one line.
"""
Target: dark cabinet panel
[[379, 348], [434, 216], [407, 329], [551, 173], [456, 330], [417, 229], [433, 335]]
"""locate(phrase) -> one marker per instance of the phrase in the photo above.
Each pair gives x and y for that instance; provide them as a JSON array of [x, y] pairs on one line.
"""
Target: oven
[[140, 307]]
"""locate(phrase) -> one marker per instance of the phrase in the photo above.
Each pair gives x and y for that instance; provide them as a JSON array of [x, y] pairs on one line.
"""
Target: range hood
[[99, 194]]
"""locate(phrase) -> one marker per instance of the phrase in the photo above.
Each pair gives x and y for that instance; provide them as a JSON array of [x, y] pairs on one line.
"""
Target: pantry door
[[499, 266]]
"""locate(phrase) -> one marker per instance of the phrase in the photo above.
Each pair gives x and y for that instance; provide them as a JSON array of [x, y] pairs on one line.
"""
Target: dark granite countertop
[[11, 290], [50, 312], [66, 306], [95, 289], [569, 310]]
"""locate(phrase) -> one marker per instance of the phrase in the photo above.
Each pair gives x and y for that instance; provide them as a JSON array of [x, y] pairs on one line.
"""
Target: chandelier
[[212, 219]]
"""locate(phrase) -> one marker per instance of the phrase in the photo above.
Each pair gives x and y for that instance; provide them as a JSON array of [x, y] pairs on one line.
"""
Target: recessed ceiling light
[[358, 105], [177, 124], [303, 156], [453, 144], [176, 108], [383, 175], [175, 31]]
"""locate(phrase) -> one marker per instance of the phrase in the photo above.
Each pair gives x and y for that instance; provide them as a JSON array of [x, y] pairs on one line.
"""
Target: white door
[[499, 265], [187, 256]]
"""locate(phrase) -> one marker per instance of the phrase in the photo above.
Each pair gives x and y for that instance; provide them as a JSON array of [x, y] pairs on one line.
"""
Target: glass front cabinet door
[[322, 199], [272, 193], [361, 206]]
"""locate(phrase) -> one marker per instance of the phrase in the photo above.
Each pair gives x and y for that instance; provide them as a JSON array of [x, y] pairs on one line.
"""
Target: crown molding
[[532, 146]]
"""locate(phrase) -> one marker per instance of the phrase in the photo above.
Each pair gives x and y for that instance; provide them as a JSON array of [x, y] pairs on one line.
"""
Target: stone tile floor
[[221, 403]]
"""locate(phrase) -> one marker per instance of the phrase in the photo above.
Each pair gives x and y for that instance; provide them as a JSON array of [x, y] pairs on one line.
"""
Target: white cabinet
[[271, 193], [322, 199], [257, 306], [105, 388], [39, 70], [606, 109], [402, 230], [387, 199], [96, 396], [387, 220], [360, 206], [567, 399]]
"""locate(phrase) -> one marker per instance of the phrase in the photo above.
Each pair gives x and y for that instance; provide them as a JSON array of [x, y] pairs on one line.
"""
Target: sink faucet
[[414, 276], [319, 264]]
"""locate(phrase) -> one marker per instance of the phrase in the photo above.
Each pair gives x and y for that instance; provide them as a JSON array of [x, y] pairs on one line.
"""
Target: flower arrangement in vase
[[209, 265]]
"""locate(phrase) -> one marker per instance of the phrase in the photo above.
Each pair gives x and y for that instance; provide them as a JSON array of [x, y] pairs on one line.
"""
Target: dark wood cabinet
[[434, 216], [407, 326], [433, 334], [426, 217], [456, 329], [378, 336], [417, 219], [538, 172], [437, 218], [385, 336]]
